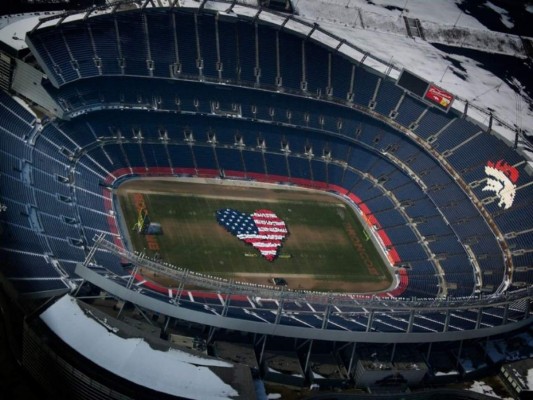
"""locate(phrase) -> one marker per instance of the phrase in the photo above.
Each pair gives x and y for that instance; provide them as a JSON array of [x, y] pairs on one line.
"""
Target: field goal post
[[143, 221]]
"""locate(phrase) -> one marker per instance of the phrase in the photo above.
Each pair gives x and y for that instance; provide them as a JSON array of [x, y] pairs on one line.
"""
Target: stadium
[[247, 101]]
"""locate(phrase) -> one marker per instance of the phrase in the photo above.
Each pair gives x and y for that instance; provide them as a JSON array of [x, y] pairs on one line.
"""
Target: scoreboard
[[439, 96], [426, 91]]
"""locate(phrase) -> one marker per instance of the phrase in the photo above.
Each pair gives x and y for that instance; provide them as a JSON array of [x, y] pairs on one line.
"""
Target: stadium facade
[[230, 92]]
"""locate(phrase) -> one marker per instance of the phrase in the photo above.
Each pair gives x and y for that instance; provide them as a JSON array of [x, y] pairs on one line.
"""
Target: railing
[[226, 286]]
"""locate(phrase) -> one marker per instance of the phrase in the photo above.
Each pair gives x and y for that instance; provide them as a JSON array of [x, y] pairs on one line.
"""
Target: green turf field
[[325, 241]]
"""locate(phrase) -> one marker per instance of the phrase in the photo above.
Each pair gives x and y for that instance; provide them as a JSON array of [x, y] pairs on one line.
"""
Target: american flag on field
[[263, 229]]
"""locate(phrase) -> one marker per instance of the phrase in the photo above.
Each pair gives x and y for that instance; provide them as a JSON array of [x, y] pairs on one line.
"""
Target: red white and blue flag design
[[263, 229]]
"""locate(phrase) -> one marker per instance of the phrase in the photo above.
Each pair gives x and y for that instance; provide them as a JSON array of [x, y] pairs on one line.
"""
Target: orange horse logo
[[501, 179]]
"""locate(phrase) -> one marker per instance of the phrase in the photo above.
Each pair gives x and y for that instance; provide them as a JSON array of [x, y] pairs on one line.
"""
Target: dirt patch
[[172, 186], [315, 282], [294, 281]]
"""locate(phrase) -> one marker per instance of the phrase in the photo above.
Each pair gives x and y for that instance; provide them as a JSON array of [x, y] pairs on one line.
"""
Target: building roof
[[179, 373]]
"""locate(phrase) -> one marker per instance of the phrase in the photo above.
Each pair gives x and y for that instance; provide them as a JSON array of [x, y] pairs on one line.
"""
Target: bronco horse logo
[[501, 179]]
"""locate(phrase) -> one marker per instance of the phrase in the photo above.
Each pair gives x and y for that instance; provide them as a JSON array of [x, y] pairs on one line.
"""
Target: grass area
[[325, 241]]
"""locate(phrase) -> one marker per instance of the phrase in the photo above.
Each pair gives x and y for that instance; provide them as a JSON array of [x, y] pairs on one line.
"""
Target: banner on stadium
[[439, 96]]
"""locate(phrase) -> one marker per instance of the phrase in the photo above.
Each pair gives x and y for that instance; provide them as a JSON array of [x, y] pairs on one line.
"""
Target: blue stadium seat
[[409, 111], [229, 51], [364, 86], [276, 164], [388, 97], [267, 55], [340, 80], [79, 43], [254, 162], [206, 32], [316, 62], [246, 52], [290, 57]]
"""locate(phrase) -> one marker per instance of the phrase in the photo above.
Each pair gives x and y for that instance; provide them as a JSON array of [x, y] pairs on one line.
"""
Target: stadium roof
[[128, 357], [13, 29]]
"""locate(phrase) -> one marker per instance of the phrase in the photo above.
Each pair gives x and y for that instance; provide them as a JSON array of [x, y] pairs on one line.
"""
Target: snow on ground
[[451, 372], [448, 12], [318, 376], [530, 378], [178, 373], [484, 388], [460, 75], [14, 32], [446, 30], [483, 40], [504, 15]]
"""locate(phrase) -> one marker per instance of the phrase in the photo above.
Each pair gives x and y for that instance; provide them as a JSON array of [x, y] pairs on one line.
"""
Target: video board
[[426, 91]]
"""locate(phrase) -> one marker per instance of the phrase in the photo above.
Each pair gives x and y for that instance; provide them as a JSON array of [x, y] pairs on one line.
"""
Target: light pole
[[457, 20], [444, 73]]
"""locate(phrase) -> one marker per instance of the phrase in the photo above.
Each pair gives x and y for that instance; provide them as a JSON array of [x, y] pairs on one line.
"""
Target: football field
[[326, 248]]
